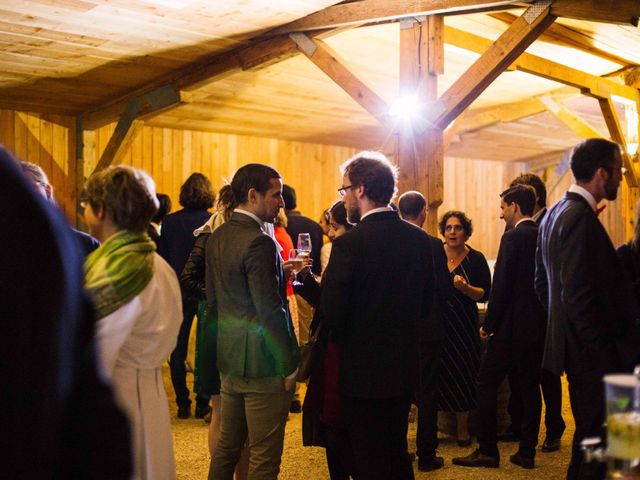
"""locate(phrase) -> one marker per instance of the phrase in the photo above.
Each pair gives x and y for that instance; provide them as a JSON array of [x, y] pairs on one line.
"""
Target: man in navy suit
[[592, 315], [377, 290], [514, 327]]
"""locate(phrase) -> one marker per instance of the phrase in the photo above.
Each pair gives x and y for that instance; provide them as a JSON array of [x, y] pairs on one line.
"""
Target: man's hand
[[484, 335], [290, 383]]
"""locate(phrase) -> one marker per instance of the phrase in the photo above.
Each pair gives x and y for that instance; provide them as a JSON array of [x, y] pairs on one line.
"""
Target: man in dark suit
[[412, 207], [592, 316], [550, 383], [377, 290], [515, 327], [257, 348]]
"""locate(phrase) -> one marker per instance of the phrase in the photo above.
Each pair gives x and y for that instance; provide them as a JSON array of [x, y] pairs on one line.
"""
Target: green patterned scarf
[[118, 270]]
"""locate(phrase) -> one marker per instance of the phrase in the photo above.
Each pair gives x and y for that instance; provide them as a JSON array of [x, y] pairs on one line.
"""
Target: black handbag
[[309, 354]]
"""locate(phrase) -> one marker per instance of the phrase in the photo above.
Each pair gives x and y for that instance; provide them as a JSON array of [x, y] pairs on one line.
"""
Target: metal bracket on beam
[[535, 10], [304, 43], [409, 22]]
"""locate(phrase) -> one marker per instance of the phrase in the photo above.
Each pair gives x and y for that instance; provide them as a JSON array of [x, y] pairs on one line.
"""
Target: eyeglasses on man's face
[[343, 190]]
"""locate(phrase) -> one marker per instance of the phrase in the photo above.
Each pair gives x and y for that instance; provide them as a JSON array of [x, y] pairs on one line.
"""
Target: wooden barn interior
[[176, 86]]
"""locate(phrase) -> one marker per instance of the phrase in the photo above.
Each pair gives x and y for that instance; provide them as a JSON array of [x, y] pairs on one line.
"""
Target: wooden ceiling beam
[[565, 36], [328, 60], [578, 125], [122, 137], [592, 85], [492, 62], [625, 12], [617, 135], [376, 11]]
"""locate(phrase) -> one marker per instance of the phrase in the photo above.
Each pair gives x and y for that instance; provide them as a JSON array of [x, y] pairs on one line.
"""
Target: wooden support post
[[617, 135], [79, 171], [327, 60], [420, 146], [126, 130]]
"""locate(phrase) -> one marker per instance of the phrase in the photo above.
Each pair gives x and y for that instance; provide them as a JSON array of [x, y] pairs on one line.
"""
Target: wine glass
[[296, 260], [304, 243]]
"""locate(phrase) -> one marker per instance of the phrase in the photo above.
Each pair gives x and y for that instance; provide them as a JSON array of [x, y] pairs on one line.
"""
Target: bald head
[[413, 207]]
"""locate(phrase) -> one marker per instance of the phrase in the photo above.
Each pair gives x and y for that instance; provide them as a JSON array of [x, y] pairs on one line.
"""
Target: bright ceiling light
[[406, 107]]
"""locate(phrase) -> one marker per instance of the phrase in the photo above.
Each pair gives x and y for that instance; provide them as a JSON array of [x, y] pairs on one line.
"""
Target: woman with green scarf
[[137, 298]]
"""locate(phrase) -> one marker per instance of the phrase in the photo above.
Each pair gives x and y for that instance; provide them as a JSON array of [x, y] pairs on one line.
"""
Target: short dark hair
[[411, 204], [196, 192], [591, 154], [289, 197], [127, 194], [523, 195], [536, 182], [163, 209], [375, 173], [253, 175], [467, 224], [339, 214]]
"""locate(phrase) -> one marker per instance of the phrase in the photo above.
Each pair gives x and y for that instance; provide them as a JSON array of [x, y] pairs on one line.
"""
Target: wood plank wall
[[49, 141], [170, 156]]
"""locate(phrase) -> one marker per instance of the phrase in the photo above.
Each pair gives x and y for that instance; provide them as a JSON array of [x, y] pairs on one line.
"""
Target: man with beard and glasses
[[592, 316], [377, 291]]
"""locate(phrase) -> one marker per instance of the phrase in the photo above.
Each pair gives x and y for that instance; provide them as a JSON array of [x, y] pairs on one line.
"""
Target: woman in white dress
[[137, 299]]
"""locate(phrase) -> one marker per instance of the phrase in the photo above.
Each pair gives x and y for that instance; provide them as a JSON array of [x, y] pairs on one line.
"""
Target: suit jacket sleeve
[[504, 278], [264, 270], [337, 286], [579, 280], [541, 284]]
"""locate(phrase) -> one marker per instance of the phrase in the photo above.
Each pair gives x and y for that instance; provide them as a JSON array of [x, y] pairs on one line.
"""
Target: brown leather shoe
[[477, 459]]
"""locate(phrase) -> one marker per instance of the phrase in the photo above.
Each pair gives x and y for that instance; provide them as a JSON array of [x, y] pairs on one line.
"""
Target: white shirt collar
[[584, 193], [376, 210], [249, 214], [525, 219]]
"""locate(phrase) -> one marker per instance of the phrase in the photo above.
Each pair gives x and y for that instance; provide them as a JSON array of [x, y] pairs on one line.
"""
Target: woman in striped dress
[[461, 353]]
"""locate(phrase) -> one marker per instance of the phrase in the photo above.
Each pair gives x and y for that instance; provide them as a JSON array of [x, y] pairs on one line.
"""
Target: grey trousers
[[257, 409]]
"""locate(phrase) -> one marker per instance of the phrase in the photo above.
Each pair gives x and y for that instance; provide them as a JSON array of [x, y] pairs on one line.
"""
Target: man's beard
[[353, 215], [610, 190]]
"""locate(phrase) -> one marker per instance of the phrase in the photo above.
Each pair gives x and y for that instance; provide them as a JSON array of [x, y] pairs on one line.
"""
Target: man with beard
[[377, 289], [592, 319], [257, 348]]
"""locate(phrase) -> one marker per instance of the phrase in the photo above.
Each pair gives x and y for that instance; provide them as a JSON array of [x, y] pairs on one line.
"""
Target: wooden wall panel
[[474, 186], [44, 140], [170, 156]]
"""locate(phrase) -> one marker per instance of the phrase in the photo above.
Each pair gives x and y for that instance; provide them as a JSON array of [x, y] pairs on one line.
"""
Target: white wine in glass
[[304, 242], [296, 260]]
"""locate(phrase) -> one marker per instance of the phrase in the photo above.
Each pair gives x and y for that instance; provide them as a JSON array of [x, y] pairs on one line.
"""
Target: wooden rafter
[[617, 135], [493, 61], [563, 35], [370, 11], [625, 12], [598, 87], [578, 125], [328, 60], [126, 130]]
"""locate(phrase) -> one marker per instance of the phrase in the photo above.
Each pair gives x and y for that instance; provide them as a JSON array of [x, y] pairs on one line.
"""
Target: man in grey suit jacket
[[257, 347], [592, 322]]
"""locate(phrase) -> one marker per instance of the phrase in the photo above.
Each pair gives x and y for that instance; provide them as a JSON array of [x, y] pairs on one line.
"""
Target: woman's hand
[[460, 283]]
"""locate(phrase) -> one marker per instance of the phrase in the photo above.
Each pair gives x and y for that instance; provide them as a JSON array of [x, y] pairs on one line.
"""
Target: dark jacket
[[376, 290], [244, 273], [177, 240], [514, 311], [592, 315], [192, 279], [432, 329], [296, 224]]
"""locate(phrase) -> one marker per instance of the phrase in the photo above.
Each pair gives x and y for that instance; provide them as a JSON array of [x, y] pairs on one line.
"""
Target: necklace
[[458, 256]]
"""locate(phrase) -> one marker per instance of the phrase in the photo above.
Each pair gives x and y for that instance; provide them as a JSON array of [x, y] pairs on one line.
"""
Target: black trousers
[[377, 429], [502, 356], [426, 398], [552, 395], [339, 453], [586, 393], [179, 356]]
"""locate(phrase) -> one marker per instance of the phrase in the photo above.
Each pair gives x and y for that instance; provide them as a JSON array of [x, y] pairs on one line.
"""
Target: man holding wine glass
[[377, 289]]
